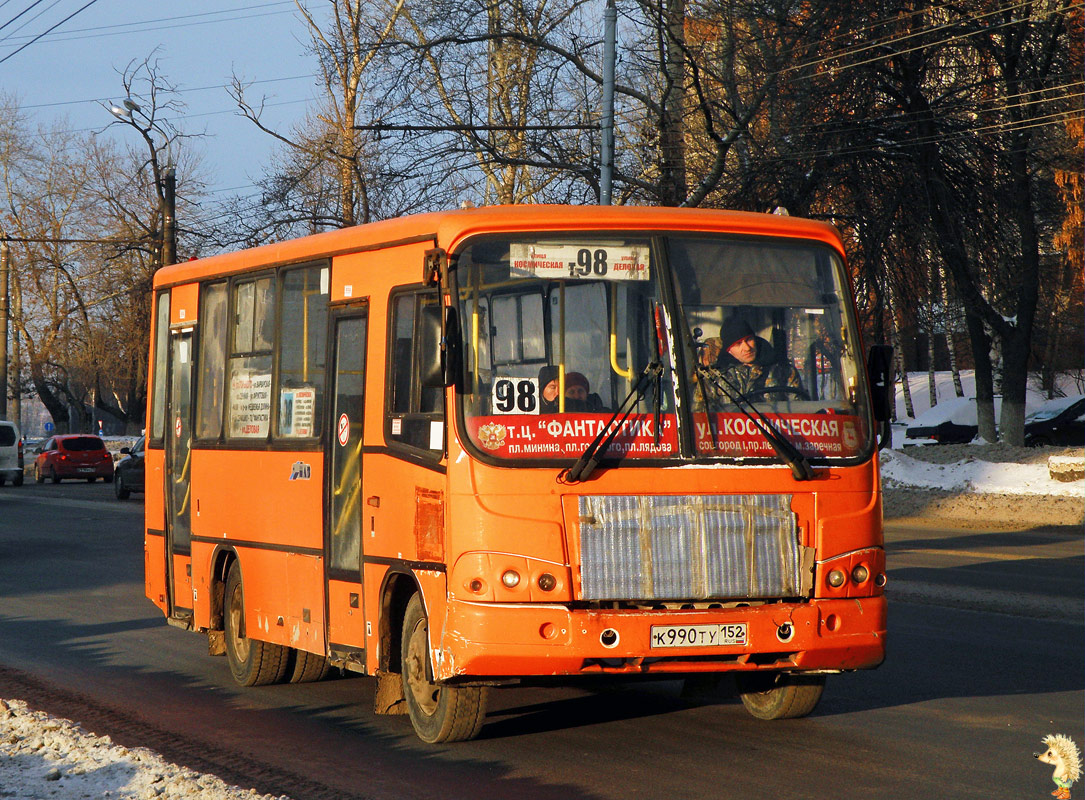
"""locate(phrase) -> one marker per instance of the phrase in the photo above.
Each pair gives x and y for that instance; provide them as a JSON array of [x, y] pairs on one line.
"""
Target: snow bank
[[42, 756], [972, 474]]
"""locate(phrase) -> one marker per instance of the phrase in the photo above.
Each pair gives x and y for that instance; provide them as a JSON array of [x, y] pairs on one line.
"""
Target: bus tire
[[769, 695], [252, 662], [306, 667], [438, 713]]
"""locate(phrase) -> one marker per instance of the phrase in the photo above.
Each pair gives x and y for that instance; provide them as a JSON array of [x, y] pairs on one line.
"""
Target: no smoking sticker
[[344, 429]]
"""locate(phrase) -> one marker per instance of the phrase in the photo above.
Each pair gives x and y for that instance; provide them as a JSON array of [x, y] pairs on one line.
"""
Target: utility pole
[[5, 267], [606, 132], [169, 217]]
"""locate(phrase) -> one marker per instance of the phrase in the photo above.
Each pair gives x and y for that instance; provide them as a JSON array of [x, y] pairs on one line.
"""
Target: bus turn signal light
[[860, 574], [547, 582]]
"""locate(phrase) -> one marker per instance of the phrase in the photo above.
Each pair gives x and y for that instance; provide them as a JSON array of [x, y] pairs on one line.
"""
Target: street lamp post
[[165, 182]]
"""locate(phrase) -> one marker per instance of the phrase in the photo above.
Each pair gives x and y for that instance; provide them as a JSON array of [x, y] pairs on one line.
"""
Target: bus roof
[[448, 228]]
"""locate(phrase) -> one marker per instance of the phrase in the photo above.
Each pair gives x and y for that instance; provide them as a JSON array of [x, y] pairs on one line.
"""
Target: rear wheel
[[438, 713], [306, 667], [17, 480], [53, 475], [38, 477], [779, 695], [252, 662]]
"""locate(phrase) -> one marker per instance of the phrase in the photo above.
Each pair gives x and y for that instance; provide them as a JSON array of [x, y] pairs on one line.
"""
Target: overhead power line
[[77, 11], [25, 10]]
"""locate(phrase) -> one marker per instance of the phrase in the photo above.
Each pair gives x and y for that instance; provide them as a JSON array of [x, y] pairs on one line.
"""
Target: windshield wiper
[[584, 466], [800, 467]]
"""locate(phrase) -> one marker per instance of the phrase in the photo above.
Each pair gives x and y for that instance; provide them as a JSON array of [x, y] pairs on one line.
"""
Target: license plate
[[717, 635], [86, 469]]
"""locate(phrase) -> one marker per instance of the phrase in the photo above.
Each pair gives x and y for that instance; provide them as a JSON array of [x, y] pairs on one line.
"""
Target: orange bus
[[468, 449]]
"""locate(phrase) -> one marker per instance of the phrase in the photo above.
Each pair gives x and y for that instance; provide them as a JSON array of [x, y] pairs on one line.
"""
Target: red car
[[73, 455]]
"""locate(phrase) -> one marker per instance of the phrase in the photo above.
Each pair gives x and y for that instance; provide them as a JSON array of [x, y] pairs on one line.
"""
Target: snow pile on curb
[[42, 756], [982, 485], [973, 474]]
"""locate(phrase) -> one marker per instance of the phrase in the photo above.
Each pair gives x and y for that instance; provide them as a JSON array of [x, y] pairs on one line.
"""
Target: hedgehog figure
[[1064, 756]]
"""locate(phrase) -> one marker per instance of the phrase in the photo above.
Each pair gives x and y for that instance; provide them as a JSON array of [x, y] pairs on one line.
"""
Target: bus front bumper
[[500, 640]]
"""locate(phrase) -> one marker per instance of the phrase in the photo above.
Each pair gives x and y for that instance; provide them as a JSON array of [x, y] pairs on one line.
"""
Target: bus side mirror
[[880, 372], [436, 346]]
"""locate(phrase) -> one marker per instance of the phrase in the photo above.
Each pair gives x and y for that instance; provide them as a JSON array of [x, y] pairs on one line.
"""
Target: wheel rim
[[239, 645], [425, 693]]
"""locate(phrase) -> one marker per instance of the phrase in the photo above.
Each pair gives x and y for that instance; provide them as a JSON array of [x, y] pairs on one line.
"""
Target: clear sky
[[72, 72]]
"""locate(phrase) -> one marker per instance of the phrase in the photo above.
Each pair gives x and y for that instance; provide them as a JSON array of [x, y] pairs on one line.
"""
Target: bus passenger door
[[343, 524], [177, 475]]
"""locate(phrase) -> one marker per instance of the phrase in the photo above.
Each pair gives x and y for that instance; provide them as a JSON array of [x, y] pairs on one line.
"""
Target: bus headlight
[[510, 578], [836, 578]]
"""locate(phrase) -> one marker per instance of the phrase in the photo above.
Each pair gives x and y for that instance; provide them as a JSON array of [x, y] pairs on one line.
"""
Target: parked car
[[128, 473], [11, 454], [950, 422], [1057, 422], [73, 455]]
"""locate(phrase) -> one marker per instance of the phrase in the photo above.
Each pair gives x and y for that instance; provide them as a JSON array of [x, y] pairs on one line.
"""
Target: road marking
[[91, 504], [973, 554], [1017, 604]]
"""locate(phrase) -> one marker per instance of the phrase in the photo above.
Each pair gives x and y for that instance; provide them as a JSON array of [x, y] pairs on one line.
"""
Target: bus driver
[[748, 362]]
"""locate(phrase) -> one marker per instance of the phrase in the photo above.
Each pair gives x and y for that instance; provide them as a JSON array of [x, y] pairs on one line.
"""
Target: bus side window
[[415, 413], [212, 333], [304, 326], [249, 396], [161, 346]]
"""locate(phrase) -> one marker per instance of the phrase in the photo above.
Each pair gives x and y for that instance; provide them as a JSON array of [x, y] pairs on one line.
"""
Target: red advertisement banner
[[733, 434]]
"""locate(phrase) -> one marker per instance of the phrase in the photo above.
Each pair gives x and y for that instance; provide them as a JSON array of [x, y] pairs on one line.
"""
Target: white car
[[11, 454]]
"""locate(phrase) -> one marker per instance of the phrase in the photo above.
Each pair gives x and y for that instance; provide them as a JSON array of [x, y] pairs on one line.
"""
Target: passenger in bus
[[748, 362], [578, 394]]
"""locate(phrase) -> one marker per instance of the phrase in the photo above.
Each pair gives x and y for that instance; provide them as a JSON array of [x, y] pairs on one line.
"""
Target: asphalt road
[[986, 656]]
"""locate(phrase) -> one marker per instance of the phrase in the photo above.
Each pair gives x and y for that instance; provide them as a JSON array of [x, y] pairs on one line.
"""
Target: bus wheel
[[306, 667], [252, 662], [438, 713], [771, 695]]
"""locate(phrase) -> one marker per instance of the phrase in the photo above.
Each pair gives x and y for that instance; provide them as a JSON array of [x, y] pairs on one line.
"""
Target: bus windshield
[[559, 332]]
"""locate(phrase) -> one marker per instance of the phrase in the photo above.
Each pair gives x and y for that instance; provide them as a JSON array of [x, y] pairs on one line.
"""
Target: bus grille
[[688, 547]]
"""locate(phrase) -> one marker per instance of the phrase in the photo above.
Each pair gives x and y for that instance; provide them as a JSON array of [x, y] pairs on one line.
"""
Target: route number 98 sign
[[515, 396], [584, 261]]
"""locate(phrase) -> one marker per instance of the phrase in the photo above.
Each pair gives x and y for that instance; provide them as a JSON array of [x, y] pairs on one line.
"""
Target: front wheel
[[119, 489], [438, 713], [769, 695], [252, 662], [38, 477]]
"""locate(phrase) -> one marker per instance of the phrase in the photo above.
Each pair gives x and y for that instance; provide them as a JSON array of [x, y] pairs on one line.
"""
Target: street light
[[165, 183]]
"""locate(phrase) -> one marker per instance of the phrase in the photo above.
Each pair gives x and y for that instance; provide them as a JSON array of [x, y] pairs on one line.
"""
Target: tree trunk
[[906, 390], [985, 387], [954, 367], [672, 148], [932, 385]]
